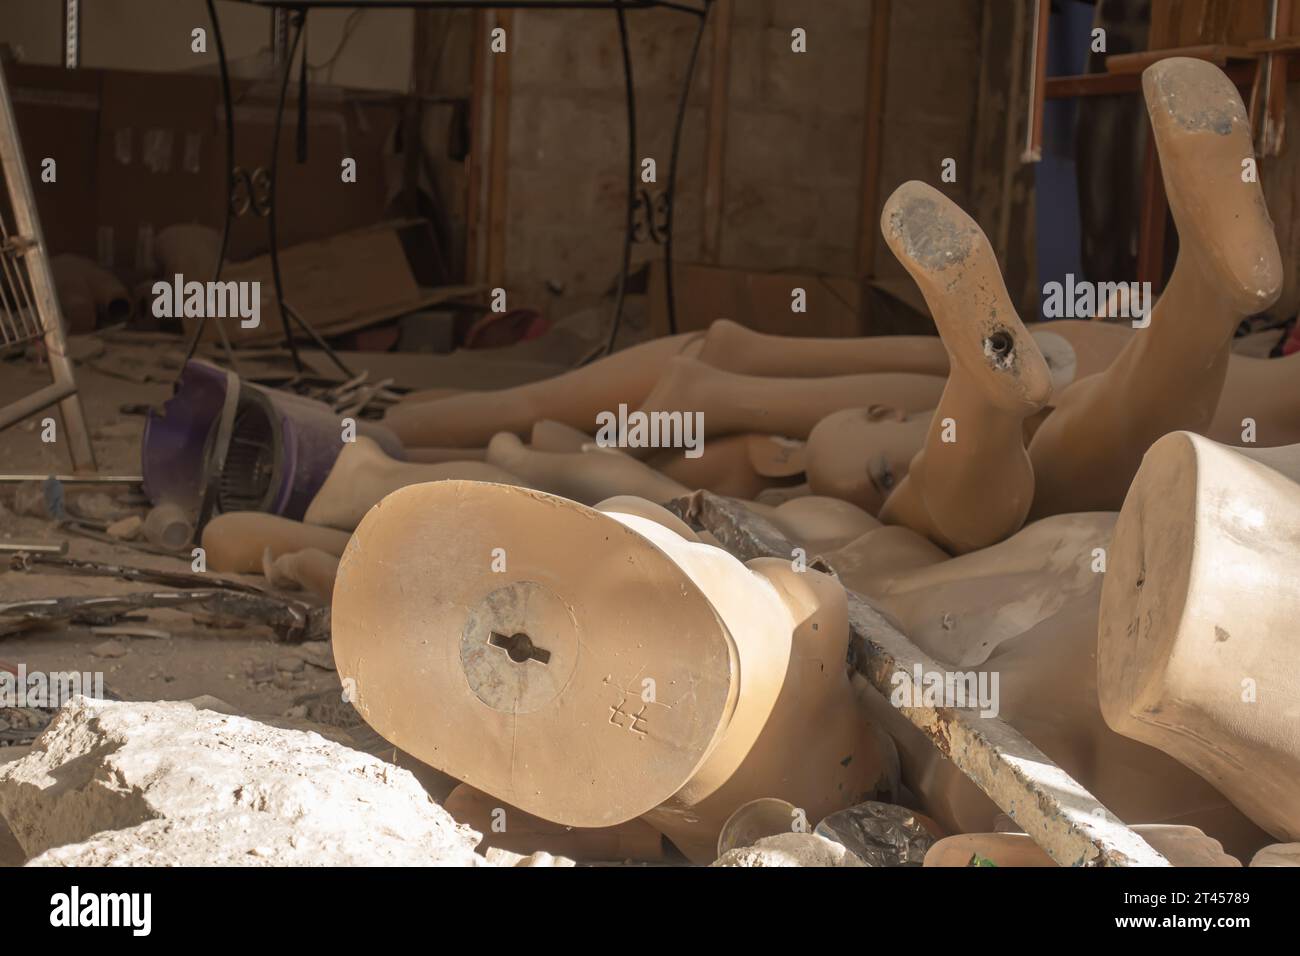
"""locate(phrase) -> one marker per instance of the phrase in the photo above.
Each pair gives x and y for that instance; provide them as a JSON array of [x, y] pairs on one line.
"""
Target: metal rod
[[227, 100], [1056, 811], [629, 93], [77, 479], [1037, 81], [321, 343], [71, 34], [33, 547], [299, 18], [672, 170], [13, 330]]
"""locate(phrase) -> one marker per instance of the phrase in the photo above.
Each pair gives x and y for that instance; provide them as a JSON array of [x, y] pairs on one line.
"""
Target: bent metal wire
[[264, 199]]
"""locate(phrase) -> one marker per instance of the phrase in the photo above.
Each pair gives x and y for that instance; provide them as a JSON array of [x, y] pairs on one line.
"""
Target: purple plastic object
[[278, 451], [173, 454]]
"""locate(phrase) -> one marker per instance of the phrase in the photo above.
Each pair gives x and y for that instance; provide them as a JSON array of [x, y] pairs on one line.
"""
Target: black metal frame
[[266, 205]]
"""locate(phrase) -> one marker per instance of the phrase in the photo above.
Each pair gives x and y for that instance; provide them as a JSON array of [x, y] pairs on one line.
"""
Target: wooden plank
[[1242, 74], [1056, 811], [1280, 45], [1091, 84], [1217, 53], [873, 125], [1179, 23], [1015, 102], [716, 144]]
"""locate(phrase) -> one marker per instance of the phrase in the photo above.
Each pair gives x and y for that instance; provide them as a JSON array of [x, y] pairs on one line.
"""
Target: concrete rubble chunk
[[110, 649], [499, 857], [112, 783]]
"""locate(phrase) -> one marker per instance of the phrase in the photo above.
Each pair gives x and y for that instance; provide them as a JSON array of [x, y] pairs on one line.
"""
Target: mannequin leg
[[1265, 392], [236, 541], [584, 476], [732, 347], [791, 407], [311, 569], [363, 474], [972, 483], [1169, 376], [470, 419]]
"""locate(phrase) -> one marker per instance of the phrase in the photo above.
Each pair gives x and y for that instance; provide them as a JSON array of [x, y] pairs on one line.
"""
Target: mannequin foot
[[1202, 133], [950, 258]]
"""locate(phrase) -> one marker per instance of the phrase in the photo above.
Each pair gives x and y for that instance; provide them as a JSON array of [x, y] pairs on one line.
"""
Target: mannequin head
[[861, 454]]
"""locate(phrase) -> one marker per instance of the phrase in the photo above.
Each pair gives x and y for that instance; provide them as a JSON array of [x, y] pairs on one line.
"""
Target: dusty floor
[[237, 665], [244, 666]]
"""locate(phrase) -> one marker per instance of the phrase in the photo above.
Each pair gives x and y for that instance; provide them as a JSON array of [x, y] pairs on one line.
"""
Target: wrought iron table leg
[[297, 21], [287, 315], [227, 100], [672, 169], [629, 224]]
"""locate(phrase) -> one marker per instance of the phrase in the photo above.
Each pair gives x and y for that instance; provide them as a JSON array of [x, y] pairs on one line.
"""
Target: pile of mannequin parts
[[1077, 510]]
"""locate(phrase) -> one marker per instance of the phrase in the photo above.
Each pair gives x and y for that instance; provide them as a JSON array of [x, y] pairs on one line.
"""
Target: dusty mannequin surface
[[236, 541], [437, 456], [566, 684], [1266, 391], [739, 466], [1169, 376], [1196, 648], [525, 833], [783, 493], [1047, 690], [767, 749], [470, 419], [817, 523], [972, 483], [430, 394], [311, 569], [733, 403], [732, 347], [556, 436], [1025, 609], [862, 454], [1096, 343], [960, 609], [363, 474], [1180, 845], [584, 476]]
